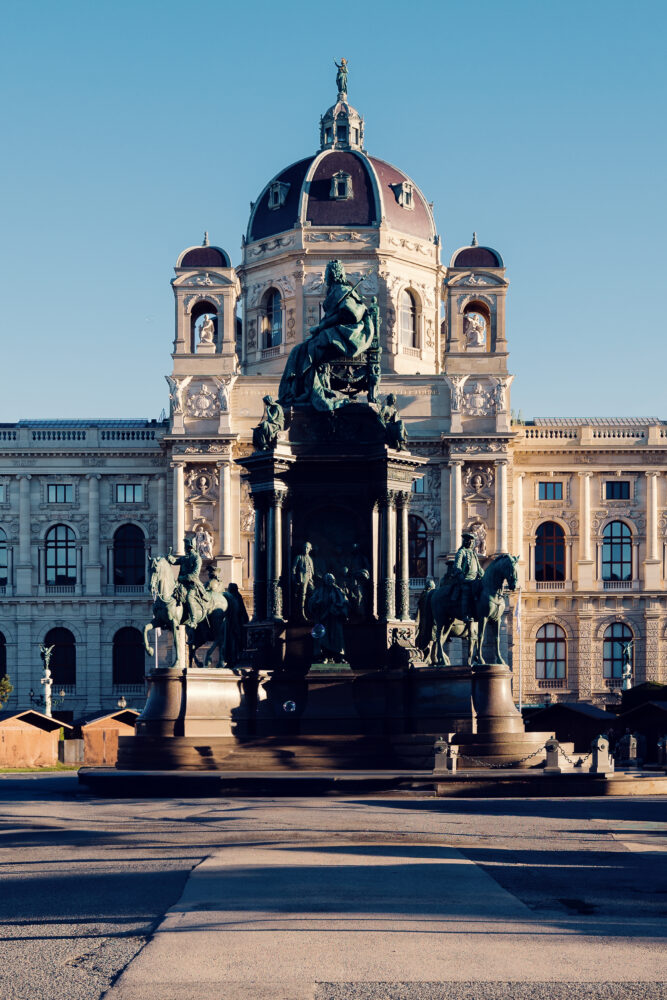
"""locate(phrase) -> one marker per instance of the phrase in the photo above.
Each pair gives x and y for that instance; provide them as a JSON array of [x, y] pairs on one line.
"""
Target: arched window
[[129, 658], [417, 547], [273, 319], [408, 319], [3, 559], [550, 552], [617, 551], [129, 561], [60, 556], [616, 638], [63, 657], [550, 652], [3, 656], [201, 311]]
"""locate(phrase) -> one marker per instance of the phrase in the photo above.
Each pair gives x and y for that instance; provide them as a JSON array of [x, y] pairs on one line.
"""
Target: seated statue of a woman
[[345, 330]]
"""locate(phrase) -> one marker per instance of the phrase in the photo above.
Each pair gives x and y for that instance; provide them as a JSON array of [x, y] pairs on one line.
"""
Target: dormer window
[[328, 136], [278, 194], [404, 195], [341, 133], [341, 186]]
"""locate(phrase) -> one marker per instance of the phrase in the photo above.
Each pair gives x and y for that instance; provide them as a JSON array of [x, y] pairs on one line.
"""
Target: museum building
[[582, 502]]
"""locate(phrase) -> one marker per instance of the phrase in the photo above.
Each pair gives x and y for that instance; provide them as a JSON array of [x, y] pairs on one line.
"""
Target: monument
[[331, 663]]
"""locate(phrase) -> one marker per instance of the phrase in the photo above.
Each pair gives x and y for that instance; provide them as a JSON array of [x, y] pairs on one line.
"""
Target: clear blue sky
[[130, 127]]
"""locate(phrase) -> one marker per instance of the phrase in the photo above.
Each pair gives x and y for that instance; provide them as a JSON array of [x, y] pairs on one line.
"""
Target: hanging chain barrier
[[443, 747]]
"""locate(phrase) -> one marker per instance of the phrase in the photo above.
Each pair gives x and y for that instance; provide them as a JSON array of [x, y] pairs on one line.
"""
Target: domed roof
[[305, 193], [204, 256], [476, 256]]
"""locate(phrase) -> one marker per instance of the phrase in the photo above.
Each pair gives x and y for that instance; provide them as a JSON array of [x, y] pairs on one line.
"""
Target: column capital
[[454, 462], [93, 475], [652, 473], [585, 474], [24, 475]]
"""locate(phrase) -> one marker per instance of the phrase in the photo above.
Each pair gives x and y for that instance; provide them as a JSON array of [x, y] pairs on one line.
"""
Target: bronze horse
[[488, 603], [168, 613]]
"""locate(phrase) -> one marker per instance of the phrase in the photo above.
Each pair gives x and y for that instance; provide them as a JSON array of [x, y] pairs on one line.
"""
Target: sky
[[131, 127]]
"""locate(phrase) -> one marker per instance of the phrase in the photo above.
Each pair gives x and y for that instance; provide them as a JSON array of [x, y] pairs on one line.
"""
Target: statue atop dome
[[341, 78], [345, 331]]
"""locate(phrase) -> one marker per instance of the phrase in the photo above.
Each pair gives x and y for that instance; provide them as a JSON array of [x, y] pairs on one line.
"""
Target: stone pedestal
[[498, 735], [192, 719]]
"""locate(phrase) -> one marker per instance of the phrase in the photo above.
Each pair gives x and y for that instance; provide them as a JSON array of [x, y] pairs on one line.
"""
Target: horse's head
[[162, 578], [510, 570]]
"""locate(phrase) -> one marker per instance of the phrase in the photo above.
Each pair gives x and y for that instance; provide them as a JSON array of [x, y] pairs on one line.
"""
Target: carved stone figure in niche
[[207, 331], [303, 579], [328, 606], [474, 329], [478, 528], [203, 541], [265, 435], [394, 428], [345, 331]]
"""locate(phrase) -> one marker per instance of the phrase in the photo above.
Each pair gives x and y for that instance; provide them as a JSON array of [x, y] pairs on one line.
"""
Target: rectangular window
[[418, 485], [59, 493], [3, 493], [342, 133], [551, 491], [129, 493], [617, 489]]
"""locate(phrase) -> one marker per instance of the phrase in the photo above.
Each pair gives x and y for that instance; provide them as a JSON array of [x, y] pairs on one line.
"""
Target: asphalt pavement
[[328, 899]]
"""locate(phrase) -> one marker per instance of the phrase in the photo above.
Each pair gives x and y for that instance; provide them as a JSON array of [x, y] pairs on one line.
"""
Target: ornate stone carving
[[252, 335], [225, 384], [479, 530], [479, 480], [202, 403], [456, 383], [270, 246], [200, 484], [471, 446], [314, 283], [412, 245], [477, 399], [291, 326], [177, 387], [370, 239]]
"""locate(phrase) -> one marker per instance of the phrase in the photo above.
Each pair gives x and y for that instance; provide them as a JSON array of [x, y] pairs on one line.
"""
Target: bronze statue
[[303, 577], [341, 75], [190, 591], [466, 571], [328, 606], [394, 428], [345, 330], [265, 435], [425, 624]]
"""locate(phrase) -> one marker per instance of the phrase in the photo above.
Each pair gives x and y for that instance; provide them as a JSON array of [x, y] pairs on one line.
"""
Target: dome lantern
[[341, 126]]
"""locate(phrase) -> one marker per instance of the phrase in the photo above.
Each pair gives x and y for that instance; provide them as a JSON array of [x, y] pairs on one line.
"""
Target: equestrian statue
[[208, 613], [466, 600]]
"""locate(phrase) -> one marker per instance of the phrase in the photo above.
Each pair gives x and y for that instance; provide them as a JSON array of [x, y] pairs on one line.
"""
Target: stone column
[[274, 557], [584, 679], [23, 567], [445, 541], [585, 563], [518, 527], [94, 568], [455, 505], [259, 582], [403, 573], [90, 680], [652, 561], [651, 647], [161, 516], [224, 509], [179, 508], [387, 600], [501, 506]]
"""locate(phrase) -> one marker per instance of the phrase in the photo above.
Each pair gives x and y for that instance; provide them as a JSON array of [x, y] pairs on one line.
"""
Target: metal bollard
[[601, 760], [452, 758], [441, 750], [552, 747]]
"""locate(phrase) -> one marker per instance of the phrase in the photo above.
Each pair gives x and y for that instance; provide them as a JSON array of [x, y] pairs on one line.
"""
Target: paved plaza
[[329, 898]]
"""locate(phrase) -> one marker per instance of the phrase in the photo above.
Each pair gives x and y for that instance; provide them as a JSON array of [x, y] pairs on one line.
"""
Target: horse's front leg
[[499, 655], [473, 642], [443, 636], [480, 640], [149, 649]]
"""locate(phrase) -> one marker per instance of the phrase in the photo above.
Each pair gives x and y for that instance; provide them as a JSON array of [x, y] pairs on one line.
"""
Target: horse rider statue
[[465, 572], [190, 591]]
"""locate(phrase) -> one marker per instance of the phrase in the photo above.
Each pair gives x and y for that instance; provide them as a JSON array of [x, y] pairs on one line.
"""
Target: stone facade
[[445, 356]]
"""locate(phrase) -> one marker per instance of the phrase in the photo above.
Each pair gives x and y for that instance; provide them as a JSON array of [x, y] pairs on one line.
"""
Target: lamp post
[[46, 701]]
